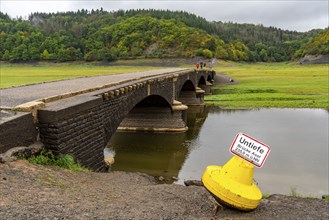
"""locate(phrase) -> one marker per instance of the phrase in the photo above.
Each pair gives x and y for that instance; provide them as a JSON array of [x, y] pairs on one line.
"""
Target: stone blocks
[[16, 129]]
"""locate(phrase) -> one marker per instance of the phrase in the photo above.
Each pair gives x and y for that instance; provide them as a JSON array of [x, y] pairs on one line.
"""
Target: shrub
[[46, 157], [207, 53]]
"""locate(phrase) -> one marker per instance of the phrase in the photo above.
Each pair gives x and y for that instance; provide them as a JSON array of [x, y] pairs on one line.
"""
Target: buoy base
[[227, 190]]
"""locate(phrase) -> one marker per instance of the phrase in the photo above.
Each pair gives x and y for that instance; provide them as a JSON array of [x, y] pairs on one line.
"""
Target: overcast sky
[[302, 15]]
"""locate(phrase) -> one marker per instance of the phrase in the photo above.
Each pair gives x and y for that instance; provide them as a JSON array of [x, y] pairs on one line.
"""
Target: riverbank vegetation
[[46, 157], [278, 85], [98, 35]]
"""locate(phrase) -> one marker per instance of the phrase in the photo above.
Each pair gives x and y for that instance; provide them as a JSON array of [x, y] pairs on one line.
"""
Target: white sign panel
[[250, 149]]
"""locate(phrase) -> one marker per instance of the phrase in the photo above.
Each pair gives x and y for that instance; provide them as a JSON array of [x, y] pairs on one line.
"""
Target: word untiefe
[[251, 145]]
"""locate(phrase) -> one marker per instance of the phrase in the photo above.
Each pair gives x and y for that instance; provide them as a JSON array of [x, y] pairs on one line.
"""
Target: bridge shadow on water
[[156, 154]]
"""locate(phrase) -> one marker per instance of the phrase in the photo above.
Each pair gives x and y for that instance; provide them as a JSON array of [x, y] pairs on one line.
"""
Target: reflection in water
[[298, 139], [157, 154]]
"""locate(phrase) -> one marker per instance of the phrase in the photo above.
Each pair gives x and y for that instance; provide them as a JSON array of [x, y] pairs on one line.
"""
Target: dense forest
[[101, 35]]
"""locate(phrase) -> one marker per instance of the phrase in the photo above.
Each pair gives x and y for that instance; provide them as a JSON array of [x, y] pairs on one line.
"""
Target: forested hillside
[[318, 45], [101, 35]]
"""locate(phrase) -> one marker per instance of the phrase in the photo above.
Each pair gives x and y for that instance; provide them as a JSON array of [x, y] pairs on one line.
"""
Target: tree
[[221, 53], [63, 55], [45, 55], [207, 53], [263, 55], [34, 53], [6, 56]]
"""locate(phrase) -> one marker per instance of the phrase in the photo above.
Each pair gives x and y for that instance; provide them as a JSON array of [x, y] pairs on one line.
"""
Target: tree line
[[102, 35]]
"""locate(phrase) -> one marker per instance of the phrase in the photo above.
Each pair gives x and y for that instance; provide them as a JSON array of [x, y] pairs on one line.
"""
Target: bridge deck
[[12, 97]]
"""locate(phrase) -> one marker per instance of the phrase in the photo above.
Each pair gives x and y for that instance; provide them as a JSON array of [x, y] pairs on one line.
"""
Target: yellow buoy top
[[239, 170]]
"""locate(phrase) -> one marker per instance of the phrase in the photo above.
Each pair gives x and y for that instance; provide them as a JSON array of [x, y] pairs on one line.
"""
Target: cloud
[[293, 15], [25, 8]]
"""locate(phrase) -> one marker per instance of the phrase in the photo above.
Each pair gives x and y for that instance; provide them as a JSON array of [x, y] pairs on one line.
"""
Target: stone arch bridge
[[81, 125]]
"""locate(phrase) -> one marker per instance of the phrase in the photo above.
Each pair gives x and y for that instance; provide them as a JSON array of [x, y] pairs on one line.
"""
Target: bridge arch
[[210, 79], [153, 101], [205, 84], [202, 81], [188, 86], [187, 93], [154, 114], [131, 108]]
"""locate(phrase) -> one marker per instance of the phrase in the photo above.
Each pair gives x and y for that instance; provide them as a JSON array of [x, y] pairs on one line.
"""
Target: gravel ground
[[39, 192]]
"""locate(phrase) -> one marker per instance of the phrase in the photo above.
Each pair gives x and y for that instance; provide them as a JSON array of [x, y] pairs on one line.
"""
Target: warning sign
[[250, 149]]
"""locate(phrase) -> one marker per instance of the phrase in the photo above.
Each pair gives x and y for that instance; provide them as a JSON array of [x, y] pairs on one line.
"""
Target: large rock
[[314, 59]]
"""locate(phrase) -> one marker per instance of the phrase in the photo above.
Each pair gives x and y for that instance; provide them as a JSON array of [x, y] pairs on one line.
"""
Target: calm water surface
[[298, 139]]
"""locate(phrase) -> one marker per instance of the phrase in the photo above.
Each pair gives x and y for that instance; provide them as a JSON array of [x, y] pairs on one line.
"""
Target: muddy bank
[[39, 192]]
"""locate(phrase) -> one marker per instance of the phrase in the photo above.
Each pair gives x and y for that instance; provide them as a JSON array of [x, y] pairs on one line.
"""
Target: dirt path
[[38, 192]]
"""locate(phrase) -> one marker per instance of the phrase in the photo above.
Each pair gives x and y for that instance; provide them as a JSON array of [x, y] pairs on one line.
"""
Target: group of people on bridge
[[200, 64]]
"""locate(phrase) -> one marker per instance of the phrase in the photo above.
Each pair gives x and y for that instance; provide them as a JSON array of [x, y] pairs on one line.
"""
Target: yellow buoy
[[232, 184]]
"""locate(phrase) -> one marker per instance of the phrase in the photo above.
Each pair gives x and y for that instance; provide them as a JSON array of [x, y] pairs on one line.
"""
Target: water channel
[[298, 138]]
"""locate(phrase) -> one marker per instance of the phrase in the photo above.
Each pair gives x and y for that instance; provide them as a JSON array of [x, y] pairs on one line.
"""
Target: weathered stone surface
[[30, 106], [65, 107], [16, 129]]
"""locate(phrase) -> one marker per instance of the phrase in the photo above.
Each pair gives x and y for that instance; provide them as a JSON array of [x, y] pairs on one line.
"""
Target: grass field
[[276, 85], [22, 74], [259, 85]]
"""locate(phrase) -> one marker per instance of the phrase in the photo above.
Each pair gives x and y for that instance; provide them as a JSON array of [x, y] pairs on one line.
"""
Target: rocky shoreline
[[40, 192]]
